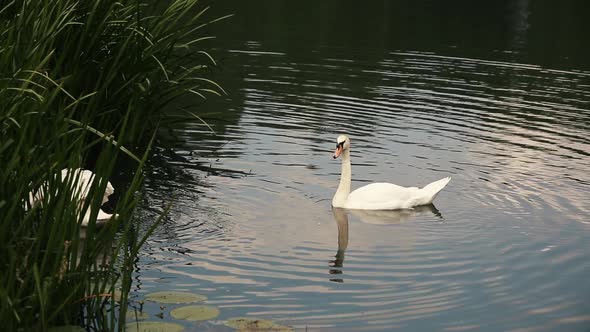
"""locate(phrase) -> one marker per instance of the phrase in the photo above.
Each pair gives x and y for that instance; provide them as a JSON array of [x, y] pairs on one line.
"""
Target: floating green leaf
[[254, 324], [195, 312], [154, 327], [175, 297]]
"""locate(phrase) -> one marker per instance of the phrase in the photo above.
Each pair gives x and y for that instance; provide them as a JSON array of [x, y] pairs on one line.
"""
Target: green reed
[[85, 82]]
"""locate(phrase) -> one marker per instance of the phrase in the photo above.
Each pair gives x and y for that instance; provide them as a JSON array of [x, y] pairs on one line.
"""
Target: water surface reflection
[[252, 227], [388, 217], [341, 218]]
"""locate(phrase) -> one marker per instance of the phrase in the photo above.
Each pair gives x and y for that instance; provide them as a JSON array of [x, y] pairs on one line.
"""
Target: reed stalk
[[85, 84]]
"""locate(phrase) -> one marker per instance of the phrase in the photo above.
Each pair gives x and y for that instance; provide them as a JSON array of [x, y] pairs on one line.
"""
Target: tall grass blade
[[84, 85], [106, 137], [202, 121]]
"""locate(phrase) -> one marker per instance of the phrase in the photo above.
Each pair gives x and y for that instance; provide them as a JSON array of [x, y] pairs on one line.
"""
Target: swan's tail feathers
[[431, 190]]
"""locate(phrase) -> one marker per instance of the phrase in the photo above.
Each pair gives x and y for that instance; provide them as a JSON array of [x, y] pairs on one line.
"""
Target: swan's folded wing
[[382, 196]]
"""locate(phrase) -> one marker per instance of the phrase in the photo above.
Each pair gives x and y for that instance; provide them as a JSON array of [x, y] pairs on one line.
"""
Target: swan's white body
[[81, 181], [378, 196]]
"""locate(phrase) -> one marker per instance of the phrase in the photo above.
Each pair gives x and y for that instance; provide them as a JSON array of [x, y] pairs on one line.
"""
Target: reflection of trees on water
[[304, 77], [368, 31]]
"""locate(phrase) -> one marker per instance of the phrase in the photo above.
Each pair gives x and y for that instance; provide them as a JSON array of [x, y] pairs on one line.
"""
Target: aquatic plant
[[255, 324], [85, 84], [195, 312], [175, 297], [154, 327]]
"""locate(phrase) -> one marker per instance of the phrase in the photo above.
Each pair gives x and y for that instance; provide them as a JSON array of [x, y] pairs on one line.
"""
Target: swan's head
[[342, 143]]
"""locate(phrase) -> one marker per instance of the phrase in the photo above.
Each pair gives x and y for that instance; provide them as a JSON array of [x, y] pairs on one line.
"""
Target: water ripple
[[505, 245]]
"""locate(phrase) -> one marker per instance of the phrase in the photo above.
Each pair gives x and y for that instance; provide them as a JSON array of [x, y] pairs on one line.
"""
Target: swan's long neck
[[341, 195]]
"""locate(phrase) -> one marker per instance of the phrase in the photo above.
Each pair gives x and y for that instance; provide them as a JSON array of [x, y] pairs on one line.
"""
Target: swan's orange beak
[[338, 151]]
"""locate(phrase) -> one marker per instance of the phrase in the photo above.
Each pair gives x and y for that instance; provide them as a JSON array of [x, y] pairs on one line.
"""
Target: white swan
[[81, 180], [378, 196]]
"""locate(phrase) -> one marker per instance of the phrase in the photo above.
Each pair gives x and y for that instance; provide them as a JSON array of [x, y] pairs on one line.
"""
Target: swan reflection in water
[[342, 222], [374, 217], [390, 217]]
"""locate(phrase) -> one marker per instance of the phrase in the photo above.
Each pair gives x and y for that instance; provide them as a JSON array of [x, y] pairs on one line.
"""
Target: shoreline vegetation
[[86, 85]]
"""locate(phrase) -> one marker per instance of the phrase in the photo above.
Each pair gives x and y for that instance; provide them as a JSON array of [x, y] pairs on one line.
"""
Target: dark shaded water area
[[496, 95]]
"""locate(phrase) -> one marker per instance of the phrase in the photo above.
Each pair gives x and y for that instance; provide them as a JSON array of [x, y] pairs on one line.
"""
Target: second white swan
[[378, 196]]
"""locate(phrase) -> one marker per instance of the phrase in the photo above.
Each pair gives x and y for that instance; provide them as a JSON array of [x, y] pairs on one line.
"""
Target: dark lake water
[[496, 96]]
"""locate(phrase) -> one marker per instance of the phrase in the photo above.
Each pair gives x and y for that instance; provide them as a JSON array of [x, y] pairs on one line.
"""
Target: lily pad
[[137, 316], [195, 312], [254, 324], [175, 297], [66, 328], [153, 327]]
